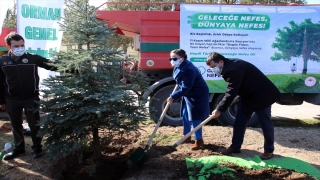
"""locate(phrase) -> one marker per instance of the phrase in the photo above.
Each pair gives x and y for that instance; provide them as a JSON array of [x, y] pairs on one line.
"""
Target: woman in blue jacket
[[194, 92]]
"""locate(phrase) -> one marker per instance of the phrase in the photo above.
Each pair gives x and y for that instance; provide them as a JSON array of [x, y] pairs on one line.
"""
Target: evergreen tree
[[87, 104], [11, 19]]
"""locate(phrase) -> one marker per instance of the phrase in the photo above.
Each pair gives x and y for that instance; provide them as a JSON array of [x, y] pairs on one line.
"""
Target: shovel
[[139, 157], [193, 130]]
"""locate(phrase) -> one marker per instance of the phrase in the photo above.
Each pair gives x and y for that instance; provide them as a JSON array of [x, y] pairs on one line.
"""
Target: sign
[[262, 35], [38, 24]]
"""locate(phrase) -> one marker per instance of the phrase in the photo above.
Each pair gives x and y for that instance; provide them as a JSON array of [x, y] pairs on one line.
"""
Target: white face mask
[[216, 69], [175, 63], [18, 51]]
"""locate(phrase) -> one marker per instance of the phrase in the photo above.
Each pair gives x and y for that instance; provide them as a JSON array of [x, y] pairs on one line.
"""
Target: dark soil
[[164, 162]]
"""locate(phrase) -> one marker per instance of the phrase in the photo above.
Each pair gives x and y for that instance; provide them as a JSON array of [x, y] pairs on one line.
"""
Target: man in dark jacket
[[19, 90], [194, 92], [257, 93]]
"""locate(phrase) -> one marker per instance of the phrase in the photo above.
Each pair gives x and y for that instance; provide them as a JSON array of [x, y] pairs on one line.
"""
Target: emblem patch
[[5, 63], [150, 63], [10, 62], [25, 60]]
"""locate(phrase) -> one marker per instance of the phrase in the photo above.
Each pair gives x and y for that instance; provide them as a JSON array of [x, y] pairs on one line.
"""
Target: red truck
[[4, 33], [156, 33]]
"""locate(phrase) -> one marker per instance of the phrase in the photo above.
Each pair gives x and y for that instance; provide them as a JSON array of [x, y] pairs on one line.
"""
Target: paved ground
[[304, 111]]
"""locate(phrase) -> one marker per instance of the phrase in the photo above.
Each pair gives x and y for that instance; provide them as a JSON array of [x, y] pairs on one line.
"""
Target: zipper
[[19, 81]]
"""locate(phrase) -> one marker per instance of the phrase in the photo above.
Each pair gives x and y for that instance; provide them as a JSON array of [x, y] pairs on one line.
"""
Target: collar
[[184, 64], [18, 57], [226, 63]]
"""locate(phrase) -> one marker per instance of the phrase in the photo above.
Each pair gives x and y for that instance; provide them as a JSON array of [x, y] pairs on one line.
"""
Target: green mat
[[201, 168]]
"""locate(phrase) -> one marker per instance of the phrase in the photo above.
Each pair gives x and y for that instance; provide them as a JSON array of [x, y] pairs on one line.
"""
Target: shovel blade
[[138, 157]]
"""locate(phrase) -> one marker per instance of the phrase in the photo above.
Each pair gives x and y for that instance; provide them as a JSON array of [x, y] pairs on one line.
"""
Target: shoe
[[37, 153], [265, 156], [13, 154], [197, 144], [188, 140], [230, 151]]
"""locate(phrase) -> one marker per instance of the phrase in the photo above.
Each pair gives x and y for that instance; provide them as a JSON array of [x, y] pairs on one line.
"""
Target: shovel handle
[[193, 130], [158, 123]]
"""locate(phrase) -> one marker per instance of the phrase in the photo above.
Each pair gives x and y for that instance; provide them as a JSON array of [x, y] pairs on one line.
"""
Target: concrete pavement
[[304, 111]]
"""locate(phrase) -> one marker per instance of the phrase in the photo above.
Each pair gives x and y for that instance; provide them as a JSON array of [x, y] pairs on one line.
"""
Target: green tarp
[[201, 168]]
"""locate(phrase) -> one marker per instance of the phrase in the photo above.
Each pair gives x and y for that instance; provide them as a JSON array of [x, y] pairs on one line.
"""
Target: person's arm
[[42, 62], [185, 85], [233, 80], [2, 92]]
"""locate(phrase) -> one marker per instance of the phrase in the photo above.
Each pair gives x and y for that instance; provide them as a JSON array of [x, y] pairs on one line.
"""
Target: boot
[[197, 144], [188, 140]]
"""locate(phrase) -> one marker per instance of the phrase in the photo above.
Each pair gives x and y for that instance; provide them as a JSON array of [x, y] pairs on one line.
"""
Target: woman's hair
[[180, 52]]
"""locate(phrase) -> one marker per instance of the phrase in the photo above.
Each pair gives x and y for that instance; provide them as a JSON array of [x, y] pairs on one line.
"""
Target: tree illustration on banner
[[298, 40]]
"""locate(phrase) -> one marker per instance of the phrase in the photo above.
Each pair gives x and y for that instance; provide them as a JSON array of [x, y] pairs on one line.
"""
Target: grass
[[296, 123], [147, 122], [284, 82], [163, 139]]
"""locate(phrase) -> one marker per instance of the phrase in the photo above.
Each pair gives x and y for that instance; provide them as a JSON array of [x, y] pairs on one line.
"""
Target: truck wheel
[[227, 118], [158, 103]]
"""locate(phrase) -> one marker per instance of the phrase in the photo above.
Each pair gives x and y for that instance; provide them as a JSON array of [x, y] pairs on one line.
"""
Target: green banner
[[198, 59], [230, 21]]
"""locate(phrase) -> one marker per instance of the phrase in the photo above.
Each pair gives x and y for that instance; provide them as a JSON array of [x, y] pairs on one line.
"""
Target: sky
[[313, 1]]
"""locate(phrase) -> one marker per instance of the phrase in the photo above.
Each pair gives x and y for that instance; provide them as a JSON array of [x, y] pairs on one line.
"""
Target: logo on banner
[[202, 70], [310, 81]]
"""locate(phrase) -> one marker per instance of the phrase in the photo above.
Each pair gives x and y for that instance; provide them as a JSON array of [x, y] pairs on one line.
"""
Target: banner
[[38, 24], [282, 41], [4, 6]]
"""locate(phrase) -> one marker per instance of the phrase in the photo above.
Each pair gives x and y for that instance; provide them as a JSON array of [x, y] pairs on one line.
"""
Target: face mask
[[18, 51], [175, 63], [216, 69]]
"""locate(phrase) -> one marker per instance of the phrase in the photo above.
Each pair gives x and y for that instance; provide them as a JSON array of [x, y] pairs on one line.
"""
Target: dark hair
[[180, 52], [215, 57], [13, 36]]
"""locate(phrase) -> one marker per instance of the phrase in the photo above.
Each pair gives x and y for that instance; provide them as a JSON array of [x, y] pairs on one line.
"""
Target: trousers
[[240, 126], [14, 109], [188, 123]]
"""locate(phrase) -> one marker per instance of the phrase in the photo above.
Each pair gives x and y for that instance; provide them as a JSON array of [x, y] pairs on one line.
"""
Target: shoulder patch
[[25, 60]]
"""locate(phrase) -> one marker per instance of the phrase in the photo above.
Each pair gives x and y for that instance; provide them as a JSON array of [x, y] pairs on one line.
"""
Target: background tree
[[117, 41], [270, 1], [11, 19], [87, 104], [298, 40]]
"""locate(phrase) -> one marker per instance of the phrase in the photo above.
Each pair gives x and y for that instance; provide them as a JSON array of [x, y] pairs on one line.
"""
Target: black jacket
[[256, 91], [20, 79]]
